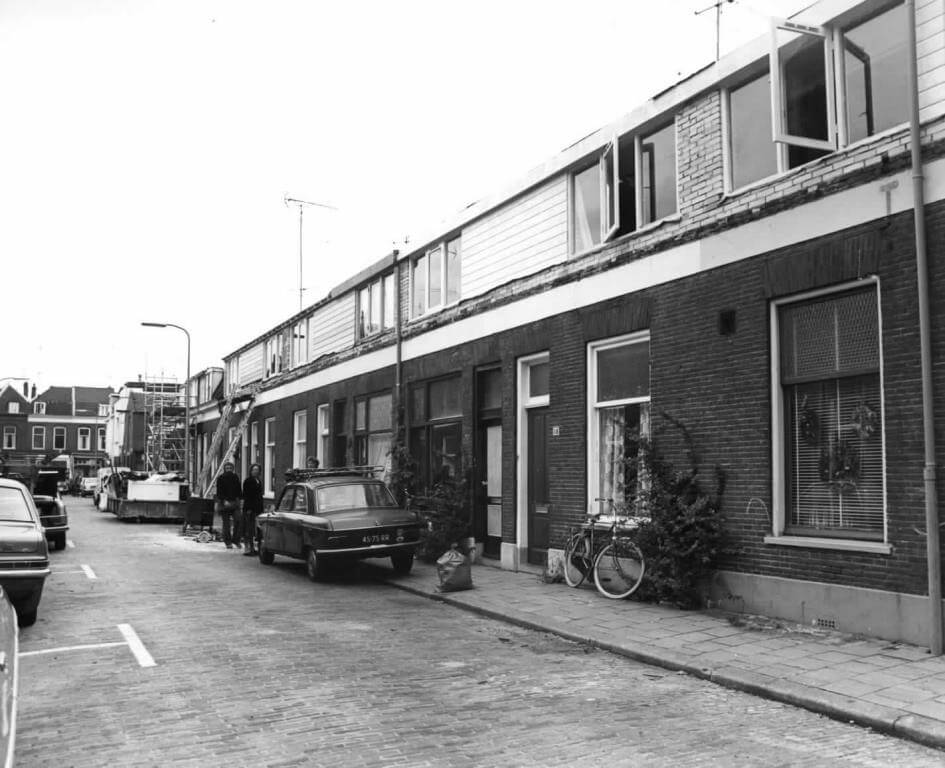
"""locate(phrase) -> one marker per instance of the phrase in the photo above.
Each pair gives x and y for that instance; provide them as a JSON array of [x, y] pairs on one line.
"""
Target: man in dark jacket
[[228, 504]]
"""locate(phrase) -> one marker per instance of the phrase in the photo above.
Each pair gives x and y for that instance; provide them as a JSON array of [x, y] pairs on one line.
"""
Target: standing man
[[252, 506], [228, 504]]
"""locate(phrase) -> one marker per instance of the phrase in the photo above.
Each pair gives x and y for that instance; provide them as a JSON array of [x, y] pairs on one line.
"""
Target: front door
[[487, 521], [537, 479]]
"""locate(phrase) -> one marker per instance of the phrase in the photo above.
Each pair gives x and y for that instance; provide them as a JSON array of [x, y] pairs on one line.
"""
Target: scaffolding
[[165, 420]]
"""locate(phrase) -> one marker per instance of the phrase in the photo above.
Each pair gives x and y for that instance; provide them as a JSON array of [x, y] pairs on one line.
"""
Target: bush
[[684, 537]]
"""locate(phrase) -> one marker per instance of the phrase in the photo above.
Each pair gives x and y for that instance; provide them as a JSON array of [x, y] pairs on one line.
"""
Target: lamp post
[[186, 394]]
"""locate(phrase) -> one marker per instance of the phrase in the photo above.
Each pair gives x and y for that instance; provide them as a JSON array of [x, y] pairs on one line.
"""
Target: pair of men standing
[[243, 520]]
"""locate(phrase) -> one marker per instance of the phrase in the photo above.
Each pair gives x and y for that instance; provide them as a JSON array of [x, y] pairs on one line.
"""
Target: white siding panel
[[520, 238], [930, 50], [251, 364], [332, 327]]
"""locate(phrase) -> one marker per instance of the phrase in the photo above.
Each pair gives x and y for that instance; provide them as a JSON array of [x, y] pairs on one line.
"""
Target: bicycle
[[617, 566]]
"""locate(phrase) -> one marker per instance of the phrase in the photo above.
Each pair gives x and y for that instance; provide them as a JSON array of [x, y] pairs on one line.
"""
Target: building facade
[[737, 255]]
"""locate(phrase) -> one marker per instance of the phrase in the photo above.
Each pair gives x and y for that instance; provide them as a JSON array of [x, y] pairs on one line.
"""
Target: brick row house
[[60, 420], [737, 254]]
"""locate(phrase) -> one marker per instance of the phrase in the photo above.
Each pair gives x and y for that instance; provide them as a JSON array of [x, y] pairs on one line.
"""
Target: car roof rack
[[299, 473]]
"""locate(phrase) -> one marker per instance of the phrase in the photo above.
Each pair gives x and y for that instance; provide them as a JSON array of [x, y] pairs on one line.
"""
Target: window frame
[[594, 405], [299, 342], [323, 430], [13, 407], [57, 433], [84, 432], [39, 408], [41, 432], [9, 438], [608, 197], [441, 249], [428, 425], [269, 453], [299, 438], [362, 435], [378, 287], [101, 439], [779, 506]]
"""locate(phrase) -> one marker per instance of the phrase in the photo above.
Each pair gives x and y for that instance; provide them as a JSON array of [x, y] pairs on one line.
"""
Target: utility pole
[[718, 20], [287, 200]]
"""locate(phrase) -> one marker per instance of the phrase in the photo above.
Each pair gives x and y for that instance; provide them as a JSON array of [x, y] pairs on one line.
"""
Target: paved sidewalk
[[890, 687]]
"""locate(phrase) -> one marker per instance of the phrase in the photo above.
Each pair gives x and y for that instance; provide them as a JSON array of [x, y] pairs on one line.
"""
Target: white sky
[[146, 146]]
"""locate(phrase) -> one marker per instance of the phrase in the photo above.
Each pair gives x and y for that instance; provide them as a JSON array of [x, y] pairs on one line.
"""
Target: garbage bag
[[455, 571]]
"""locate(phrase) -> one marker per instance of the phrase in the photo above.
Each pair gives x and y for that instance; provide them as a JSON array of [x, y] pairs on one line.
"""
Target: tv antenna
[[300, 203], [718, 20]]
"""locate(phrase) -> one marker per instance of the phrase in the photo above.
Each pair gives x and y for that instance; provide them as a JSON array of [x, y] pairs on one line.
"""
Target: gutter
[[933, 545]]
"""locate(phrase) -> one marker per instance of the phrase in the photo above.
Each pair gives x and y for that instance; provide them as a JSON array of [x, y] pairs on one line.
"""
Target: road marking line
[[69, 648], [137, 647], [70, 543], [88, 571]]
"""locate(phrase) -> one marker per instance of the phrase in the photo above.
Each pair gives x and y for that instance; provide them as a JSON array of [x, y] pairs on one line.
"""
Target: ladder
[[210, 488]]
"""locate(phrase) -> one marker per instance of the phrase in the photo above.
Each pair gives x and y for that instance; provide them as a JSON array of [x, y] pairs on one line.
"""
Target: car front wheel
[[59, 540], [315, 566], [265, 556], [402, 562]]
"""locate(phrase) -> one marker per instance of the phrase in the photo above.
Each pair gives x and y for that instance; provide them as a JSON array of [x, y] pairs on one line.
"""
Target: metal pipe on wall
[[933, 548]]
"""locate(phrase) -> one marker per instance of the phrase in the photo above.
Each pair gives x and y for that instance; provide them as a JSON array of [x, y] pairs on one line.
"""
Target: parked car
[[328, 516], [24, 556], [88, 486], [52, 509]]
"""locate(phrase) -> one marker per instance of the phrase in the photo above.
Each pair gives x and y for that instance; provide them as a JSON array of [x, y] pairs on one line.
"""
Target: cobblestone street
[[255, 665]]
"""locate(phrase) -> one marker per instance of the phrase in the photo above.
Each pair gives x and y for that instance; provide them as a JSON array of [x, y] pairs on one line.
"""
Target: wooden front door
[[487, 520], [537, 479]]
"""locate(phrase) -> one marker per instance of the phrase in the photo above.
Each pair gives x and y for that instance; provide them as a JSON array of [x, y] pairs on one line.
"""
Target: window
[[275, 354], [269, 478], [372, 430], [299, 426], [657, 186], [9, 438], [101, 439], [339, 452], [829, 417], [752, 156], [254, 443], [85, 438], [232, 373], [376, 306], [436, 276], [323, 440], [300, 343], [436, 430], [832, 86], [618, 417], [59, 438], [595, 205], [39, 408], [39, 438], [13, 407], [103, 409]]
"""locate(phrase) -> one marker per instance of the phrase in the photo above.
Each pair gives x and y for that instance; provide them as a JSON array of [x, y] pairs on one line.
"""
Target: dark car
[[52, 510], [24, 557], [327, 516]]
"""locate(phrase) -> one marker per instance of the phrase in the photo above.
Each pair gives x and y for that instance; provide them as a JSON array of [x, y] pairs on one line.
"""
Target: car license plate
[[376, 538]]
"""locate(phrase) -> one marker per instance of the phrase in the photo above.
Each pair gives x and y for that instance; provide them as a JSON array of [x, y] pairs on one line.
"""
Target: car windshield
[[333, 498], [13, 505]]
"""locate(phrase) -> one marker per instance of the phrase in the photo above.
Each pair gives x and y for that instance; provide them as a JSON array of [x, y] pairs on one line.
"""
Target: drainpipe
[[933, 555], [398, 366]]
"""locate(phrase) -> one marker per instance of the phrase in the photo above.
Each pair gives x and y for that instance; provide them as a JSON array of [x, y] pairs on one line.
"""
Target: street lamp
[[186, 394]]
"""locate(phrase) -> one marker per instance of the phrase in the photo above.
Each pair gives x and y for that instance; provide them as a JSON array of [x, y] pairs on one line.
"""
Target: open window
[[595, 200], [802, 90]]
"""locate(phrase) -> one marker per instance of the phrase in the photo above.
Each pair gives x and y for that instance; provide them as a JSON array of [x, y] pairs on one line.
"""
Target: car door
[[274, 526], [294, 523]]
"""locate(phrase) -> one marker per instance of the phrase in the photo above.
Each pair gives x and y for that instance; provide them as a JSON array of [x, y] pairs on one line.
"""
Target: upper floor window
[[85, 438], [300, 342], [435, 277], [376, 306], [59, 438], [13, 407], [275, 354], [39, 438], [829, 421], [39, 408], [100, 446], [103, 409], [9, 438], [595, 201]]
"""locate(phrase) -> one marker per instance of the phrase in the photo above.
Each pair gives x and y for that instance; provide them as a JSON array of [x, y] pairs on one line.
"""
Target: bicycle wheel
[[577, 560], [618, 569]]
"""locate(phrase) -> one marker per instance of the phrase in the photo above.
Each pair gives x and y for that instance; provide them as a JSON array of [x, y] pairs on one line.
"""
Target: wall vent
[[826, 622]]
